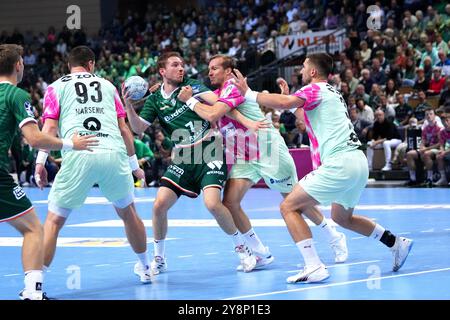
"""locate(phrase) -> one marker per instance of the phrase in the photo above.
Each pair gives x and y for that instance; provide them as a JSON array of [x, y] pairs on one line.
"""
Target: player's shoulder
[[196, 85], [13, 92]]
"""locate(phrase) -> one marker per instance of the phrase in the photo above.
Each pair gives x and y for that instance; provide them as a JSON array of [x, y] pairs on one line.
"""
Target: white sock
[[237, 239], [33, 280], [430, 174], [377, 232], [253, 241], [412, 175], [144, 258], [308, 252], [159, 246], [443, 176], [330, 231]]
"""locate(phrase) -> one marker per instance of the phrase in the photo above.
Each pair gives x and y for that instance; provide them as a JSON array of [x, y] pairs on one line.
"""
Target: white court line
[[427, 231], [337, 284], [447, 229], [404, 233], [129, 262], [378, 207], [102, 265], [286, 245], [356, 238], [187, 256], [210, 253], [11, 275], [341, 265]]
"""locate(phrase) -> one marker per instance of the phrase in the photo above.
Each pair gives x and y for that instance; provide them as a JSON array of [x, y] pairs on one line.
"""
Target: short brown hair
[[9, 55], [80, 57], [323, 62], [162, 60], [227, 61]]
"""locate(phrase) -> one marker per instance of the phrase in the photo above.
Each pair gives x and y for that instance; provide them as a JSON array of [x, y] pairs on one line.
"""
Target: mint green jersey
[[88, 104], [15, 111]]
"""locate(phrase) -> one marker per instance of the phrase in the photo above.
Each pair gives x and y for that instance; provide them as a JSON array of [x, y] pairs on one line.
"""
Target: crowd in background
[[390, 78]]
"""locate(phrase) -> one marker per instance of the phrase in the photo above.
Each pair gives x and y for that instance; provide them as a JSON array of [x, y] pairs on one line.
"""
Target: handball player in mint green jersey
[[342, 171], [261, 154], [91, 105], [16, 112], [190, 173]]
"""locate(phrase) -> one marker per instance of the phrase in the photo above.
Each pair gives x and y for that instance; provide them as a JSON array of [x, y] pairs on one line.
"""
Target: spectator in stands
[[444, 63], [403, 111], [377, 72], [391, 91], [419, 110], [365, 112], [444, 100], [375, 99], [409, 72], [388, 109], [295, 25], [330, 21], [366, 80], [428, 149], [437, 82], [345, 90], [351, 80], [413, 136], [360, 125], [366, 52], [443, 157], [287, 118], [162, 149], [235, 47], [431, 52], [421, 83], [384, 135], [145, 156], [300, 136], [361, 94]]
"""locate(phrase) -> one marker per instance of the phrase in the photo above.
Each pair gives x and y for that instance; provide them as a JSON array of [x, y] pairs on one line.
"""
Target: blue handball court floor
[[94, 261]]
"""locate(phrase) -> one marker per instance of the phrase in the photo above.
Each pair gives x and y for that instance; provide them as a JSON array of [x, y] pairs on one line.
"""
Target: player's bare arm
[[271, 100]]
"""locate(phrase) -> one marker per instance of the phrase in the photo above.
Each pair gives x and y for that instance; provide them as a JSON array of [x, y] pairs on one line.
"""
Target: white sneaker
[[339, 247], [158, 265], [400, 251], [247, 258], [33, 295], [262, 260], [387, 167], [310, 274], [144, 273], [441, 182]]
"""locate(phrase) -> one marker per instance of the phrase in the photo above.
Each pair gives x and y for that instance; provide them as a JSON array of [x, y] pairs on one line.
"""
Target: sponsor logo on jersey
[[215, 164], [195, 88], [18, 192], [226, 92], [176, 114], [177, 171], [92, 124], [29, 109], [272, 181], [164, 107]]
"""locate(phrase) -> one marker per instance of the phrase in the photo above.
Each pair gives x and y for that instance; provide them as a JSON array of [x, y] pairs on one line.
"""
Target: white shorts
[[340, 179], [80, 171]]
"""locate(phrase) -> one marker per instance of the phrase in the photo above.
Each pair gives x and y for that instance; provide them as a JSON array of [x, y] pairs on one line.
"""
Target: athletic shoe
[[400, 251], [441, 182], [158, 265], [310, 274], [35, 295], [247, 258], [339, 246], [144, 273], [262, 260], [387, 167]]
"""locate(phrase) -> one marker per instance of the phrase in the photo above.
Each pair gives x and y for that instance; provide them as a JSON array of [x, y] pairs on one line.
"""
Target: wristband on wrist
[[67, 144], [134, 164], [41, 157], [191, 103], [251, 95]]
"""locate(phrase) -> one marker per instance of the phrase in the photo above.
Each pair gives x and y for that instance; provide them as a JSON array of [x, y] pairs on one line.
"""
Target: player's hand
[[130, 103], [154, 87], [254, 126], [139, 174], [40, 175], [283, 85], [185, 93], [240, 82], [84, 142]]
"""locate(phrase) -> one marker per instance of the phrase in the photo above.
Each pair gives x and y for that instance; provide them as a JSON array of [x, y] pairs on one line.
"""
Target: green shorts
[[13, 201], [340, 179], [80, 171], [190, 179], [275, 166]]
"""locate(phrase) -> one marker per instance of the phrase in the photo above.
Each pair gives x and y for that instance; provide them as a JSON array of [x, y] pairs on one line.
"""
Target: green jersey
[[15, 111], [184, 127], [88, 104]]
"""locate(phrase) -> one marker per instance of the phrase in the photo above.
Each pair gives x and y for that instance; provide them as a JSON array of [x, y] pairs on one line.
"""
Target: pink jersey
[[444, 138], [240, 143], [430, 134]]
